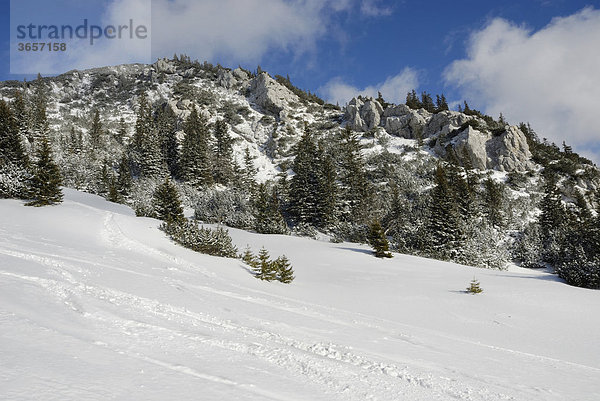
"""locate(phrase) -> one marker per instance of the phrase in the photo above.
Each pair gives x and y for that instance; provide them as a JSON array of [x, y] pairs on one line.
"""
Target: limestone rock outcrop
[[269, 95]]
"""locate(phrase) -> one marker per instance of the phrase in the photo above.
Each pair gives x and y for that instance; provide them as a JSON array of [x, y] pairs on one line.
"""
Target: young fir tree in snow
[[167, 204], [378, 240], [46, 181], [195, 162], [223, 154], [265, 269], [284, 270], [250, 259], [474, 287]]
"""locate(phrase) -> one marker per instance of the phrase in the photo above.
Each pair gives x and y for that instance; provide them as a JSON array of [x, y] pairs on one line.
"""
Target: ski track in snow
[[136, 325]]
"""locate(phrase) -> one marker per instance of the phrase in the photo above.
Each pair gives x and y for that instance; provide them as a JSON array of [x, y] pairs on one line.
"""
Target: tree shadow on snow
[[366, 251]]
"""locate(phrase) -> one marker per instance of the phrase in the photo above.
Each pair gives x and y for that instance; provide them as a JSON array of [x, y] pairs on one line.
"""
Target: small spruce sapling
[[285, 273], [378, 240], [249, 258], [474, 288]]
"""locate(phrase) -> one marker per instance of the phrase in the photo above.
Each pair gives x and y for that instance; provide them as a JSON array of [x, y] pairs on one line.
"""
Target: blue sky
[[529, 59]]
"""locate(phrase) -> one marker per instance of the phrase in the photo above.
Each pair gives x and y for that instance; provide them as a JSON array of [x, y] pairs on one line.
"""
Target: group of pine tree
[[444, 210]]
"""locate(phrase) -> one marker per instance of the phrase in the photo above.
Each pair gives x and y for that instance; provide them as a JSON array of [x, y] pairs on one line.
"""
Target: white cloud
[[373, 9], [549, 77], [393, 89]]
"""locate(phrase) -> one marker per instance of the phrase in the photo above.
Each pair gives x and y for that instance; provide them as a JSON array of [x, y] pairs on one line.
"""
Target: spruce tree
[[378, 240], [46, 181], [474, 287], [223, 154], [306, 184], [21, 114], [167, 204], [267, 214], [250, 259], [14, 163], [124, 180], [146, 147], [354, 187], [285, 273], [443, 227], [38, 117], [95, 132], [196, 167], [166, 125], [493, 200], [265, 270], [11, 148]]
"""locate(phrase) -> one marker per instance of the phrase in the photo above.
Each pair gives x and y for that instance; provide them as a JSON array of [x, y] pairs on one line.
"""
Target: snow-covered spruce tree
[[249, 171], [283, 267], [215, 242], [229, 206], [37, 114], [167, 204], [195, 163], [493, 197], [527, 249], [307, 183], [166, 126], [474, 287], [267, 214], [124, 180], [145, 148], [552, 219], [223, 154], [95, 132], [443, 228], [378, 240], [14, 162], [354, 191], [46, 181], [21, 113]]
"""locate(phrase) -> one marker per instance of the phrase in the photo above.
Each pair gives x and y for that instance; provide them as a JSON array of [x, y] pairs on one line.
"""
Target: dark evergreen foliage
[[167, 204], [378, 240], [196, 166], [46, 181]]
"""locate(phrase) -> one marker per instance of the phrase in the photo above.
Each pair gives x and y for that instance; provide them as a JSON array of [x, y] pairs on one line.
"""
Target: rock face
[[403, 121], [506, 152], [363, 115], [510, 151], [164, 65], [230, 79], [453, 138], [444, 122], [270, 95]]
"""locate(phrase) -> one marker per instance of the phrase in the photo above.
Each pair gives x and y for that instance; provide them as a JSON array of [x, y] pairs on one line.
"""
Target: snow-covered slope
[[97, 304]]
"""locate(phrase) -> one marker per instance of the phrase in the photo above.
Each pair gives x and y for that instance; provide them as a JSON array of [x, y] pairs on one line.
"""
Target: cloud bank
[[549, 77], [393, 89]]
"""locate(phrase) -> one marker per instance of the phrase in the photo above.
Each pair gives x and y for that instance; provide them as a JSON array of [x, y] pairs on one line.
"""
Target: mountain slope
[[97, 304]]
